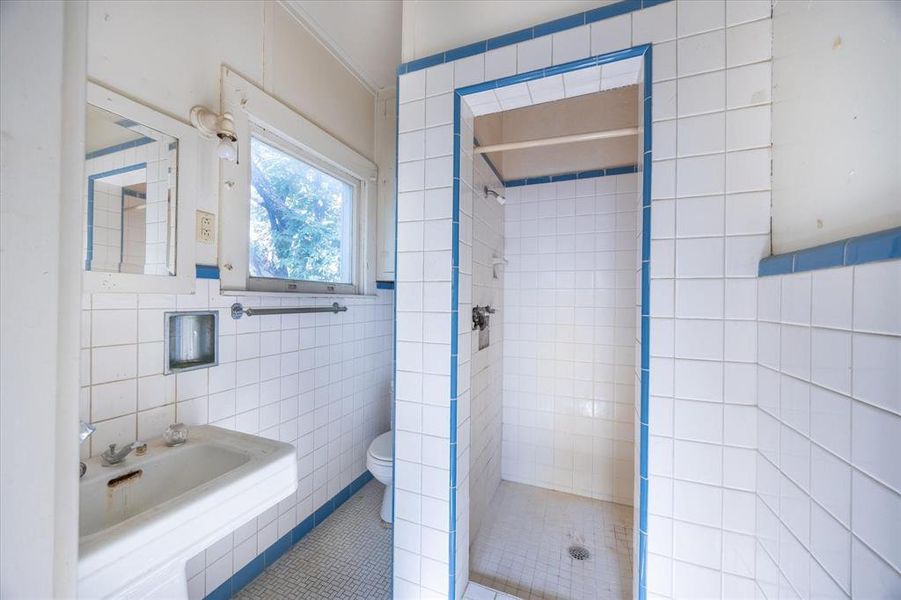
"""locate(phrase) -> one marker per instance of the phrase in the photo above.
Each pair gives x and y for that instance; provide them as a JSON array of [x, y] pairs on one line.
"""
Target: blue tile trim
[[384, 285], [508, 39], [569, 176], [559, 25], [883, 245], [524, 35], [776, 265], [873, 247], [119, 147], [821, 257], [246, 574], [454, 353], [207, 272], [612, 10], [645, 51], [466, 51], [89, 252], [644, 390]]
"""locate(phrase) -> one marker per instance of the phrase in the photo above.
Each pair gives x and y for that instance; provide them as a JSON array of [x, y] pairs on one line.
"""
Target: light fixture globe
[[226, 149], [212, 125]]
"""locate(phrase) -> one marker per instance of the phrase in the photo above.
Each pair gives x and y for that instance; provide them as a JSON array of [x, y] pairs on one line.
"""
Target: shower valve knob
[[481, 315]]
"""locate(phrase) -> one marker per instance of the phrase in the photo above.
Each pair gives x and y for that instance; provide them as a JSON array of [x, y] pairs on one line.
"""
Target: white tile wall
[[318, 381], [487, 364], [569, 357], [711, 198], [829, 487], [152, 229], [422, 469], [727, 176]]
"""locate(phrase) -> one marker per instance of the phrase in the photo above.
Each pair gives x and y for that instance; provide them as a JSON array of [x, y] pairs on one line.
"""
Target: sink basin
[[140, 521]]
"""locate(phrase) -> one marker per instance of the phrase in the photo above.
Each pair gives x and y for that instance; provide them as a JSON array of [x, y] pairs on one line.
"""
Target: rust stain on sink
[[123, 479]]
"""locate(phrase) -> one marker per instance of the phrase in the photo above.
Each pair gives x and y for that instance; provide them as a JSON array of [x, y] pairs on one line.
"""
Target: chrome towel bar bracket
[[239, 311]]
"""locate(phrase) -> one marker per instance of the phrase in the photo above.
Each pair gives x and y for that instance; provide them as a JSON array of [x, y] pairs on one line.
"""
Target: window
[[297, 209], [301, 218]]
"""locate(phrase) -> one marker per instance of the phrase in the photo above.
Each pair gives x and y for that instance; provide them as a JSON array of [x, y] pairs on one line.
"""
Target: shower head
[[497, 196]]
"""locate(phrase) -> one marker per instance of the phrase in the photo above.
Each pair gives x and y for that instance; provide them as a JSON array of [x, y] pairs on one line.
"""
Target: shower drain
[[579, 552]]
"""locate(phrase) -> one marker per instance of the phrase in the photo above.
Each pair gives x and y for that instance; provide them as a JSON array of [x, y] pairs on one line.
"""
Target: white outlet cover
[[206, 227]]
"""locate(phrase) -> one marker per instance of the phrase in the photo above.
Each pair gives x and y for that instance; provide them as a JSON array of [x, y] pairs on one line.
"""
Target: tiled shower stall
[[710, 187]]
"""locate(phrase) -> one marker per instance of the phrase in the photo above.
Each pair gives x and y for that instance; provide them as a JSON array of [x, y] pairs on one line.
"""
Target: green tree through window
[[299, 218]]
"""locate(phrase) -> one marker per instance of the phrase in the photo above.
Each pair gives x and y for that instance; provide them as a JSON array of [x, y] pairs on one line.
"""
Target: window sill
[[246, 293]]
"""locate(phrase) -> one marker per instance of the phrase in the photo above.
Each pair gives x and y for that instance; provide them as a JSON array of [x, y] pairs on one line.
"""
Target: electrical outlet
[[206, 227]]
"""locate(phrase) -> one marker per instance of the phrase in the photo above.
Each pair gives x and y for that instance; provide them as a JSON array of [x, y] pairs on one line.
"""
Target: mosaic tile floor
[[347, 557], [522, 546]]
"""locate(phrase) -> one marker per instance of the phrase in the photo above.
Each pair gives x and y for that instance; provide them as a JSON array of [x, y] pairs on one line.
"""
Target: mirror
[[131, 181]]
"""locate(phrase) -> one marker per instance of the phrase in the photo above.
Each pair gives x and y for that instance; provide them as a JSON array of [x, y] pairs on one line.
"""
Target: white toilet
[[380, 462]]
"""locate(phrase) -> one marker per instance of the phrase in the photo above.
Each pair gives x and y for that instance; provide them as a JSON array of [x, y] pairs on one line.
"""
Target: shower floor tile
[[348, 556], [522, 547]]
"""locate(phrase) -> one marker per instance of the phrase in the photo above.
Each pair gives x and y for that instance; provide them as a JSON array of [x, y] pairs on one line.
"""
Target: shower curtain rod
[[555, 141]]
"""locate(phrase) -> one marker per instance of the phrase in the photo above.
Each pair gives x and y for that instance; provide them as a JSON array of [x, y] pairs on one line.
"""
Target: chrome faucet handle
[[85, 431], [114, 456]]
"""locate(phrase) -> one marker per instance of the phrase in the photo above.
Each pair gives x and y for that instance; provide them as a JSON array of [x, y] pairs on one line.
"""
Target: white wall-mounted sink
[[138, 531]]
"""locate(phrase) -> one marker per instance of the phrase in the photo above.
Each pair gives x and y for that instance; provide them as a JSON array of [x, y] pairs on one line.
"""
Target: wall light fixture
[[213, 125]]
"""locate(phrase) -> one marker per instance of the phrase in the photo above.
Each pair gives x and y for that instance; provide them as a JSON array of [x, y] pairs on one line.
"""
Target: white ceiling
[[364, 34]]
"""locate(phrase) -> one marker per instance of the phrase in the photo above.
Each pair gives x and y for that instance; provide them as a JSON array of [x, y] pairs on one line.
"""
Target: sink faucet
[[86, 429], [112, 456]]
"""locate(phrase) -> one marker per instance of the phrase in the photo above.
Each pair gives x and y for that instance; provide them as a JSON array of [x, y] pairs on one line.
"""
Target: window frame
[[260, 115], [274, 284]]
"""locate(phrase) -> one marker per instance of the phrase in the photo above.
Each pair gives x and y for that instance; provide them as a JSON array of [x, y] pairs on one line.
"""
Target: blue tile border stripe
[[569, 176], [524, 35], [207, 272], [384, 285], [251, 570], [454, 354], [141, 141], [645, 370], [873, 247]]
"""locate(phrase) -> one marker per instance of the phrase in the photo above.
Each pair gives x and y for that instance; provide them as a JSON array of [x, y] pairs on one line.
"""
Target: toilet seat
[[380, 462], [382, 448]]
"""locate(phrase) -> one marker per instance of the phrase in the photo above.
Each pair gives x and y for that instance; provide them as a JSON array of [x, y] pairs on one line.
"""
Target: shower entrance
[[551, 215]]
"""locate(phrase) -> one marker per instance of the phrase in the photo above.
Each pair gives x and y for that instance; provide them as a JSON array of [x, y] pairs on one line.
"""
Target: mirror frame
[[185, 270]]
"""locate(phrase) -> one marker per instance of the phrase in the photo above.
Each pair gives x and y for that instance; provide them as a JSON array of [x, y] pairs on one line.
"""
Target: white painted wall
[[836, 120], [432, 26], [42, 67], [173, 62], [386, 161]]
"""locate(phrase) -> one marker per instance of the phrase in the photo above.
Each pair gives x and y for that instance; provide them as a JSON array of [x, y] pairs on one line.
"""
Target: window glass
[[301, 225]]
